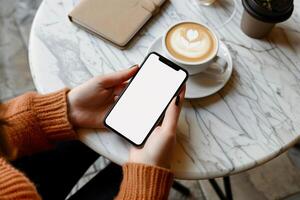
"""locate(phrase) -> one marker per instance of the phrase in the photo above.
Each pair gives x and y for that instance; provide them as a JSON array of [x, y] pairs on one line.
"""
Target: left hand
[[89, 102]]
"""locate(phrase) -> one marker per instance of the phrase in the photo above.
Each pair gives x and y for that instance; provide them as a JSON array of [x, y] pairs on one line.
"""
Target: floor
[[278, 179]]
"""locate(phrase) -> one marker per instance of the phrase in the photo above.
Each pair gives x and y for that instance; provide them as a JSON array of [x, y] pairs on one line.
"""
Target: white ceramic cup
[[206, 2], [192, 67]]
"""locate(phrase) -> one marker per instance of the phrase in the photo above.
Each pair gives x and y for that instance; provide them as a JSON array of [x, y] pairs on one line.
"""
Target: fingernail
[[177, 101], [133, 66]]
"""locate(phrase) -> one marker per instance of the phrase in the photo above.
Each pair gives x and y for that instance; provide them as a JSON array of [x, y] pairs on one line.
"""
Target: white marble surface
[[253, 119]]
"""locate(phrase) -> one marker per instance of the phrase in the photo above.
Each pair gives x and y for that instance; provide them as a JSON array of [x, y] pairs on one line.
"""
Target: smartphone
[[142, 104]]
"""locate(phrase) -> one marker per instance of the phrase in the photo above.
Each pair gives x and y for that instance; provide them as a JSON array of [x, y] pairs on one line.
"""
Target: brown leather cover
[[115, 20]]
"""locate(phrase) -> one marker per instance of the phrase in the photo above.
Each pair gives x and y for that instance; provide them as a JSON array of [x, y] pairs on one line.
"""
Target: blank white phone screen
[[145, 99]]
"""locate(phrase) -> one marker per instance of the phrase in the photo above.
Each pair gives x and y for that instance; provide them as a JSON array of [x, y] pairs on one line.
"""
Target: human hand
[[88, 103], [160, 145]]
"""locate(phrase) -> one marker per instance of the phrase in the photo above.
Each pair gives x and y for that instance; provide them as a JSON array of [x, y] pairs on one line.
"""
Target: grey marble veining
[[253, 119]]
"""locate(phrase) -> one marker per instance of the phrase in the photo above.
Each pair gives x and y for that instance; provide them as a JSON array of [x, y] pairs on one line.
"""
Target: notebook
[[114, 20]]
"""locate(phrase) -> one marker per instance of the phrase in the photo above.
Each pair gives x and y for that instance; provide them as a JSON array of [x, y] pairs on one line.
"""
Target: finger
[[173, 111], [182, 94], [113, 79], [119, 89]]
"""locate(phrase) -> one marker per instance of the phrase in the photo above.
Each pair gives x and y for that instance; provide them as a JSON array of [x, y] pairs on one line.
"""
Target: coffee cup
[[191, 45], [260, 16]]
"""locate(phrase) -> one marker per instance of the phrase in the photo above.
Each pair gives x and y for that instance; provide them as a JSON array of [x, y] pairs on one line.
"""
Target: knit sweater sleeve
[[35, 122], [145, 182], [14, 185]]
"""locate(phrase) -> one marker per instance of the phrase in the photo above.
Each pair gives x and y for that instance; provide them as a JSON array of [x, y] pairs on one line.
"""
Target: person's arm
[[147, 175], [147, 182], [35, 122], [14, 185], [30, 123]]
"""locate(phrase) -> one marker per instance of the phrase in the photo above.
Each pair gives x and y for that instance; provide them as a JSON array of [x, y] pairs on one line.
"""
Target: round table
[[253, 119]]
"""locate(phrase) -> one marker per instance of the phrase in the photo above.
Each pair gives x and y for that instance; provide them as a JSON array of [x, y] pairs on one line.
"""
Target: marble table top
[[252, 120]]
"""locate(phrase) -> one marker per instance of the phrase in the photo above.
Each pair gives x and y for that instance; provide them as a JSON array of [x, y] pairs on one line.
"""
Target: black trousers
[[56, 172]]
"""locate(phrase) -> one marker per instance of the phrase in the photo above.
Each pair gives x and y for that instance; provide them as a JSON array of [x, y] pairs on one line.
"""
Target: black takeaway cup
[[260, 16]]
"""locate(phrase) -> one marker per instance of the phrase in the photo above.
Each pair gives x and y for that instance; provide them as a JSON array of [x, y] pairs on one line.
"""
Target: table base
[[227, 187]]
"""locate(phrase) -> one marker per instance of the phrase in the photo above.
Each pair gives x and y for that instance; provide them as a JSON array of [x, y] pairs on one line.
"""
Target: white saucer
[[205, 83]]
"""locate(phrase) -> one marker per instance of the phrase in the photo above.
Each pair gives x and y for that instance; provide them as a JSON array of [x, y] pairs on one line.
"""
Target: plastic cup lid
[[272, 11]]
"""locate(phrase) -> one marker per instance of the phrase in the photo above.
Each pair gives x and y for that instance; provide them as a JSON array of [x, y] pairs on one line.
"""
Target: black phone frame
[[170, 64]]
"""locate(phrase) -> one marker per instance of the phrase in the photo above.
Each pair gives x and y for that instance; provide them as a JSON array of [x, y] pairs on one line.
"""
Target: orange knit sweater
[[36, 122]]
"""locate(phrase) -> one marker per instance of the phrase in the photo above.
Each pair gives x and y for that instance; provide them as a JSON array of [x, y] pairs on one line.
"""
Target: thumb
[[117, 78]]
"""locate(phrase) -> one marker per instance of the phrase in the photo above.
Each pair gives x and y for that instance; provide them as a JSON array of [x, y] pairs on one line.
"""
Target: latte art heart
[[190, 42], [192, 34]]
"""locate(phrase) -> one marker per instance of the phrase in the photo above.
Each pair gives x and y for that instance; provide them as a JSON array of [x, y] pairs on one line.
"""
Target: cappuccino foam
[[190, 42]]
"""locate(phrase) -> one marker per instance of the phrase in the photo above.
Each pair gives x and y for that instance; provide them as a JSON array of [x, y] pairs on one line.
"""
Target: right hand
[[89, 102], [160, 145]]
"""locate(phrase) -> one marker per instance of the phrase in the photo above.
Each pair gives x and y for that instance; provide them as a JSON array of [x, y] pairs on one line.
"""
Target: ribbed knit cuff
[[145, 182], [51, 111]]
